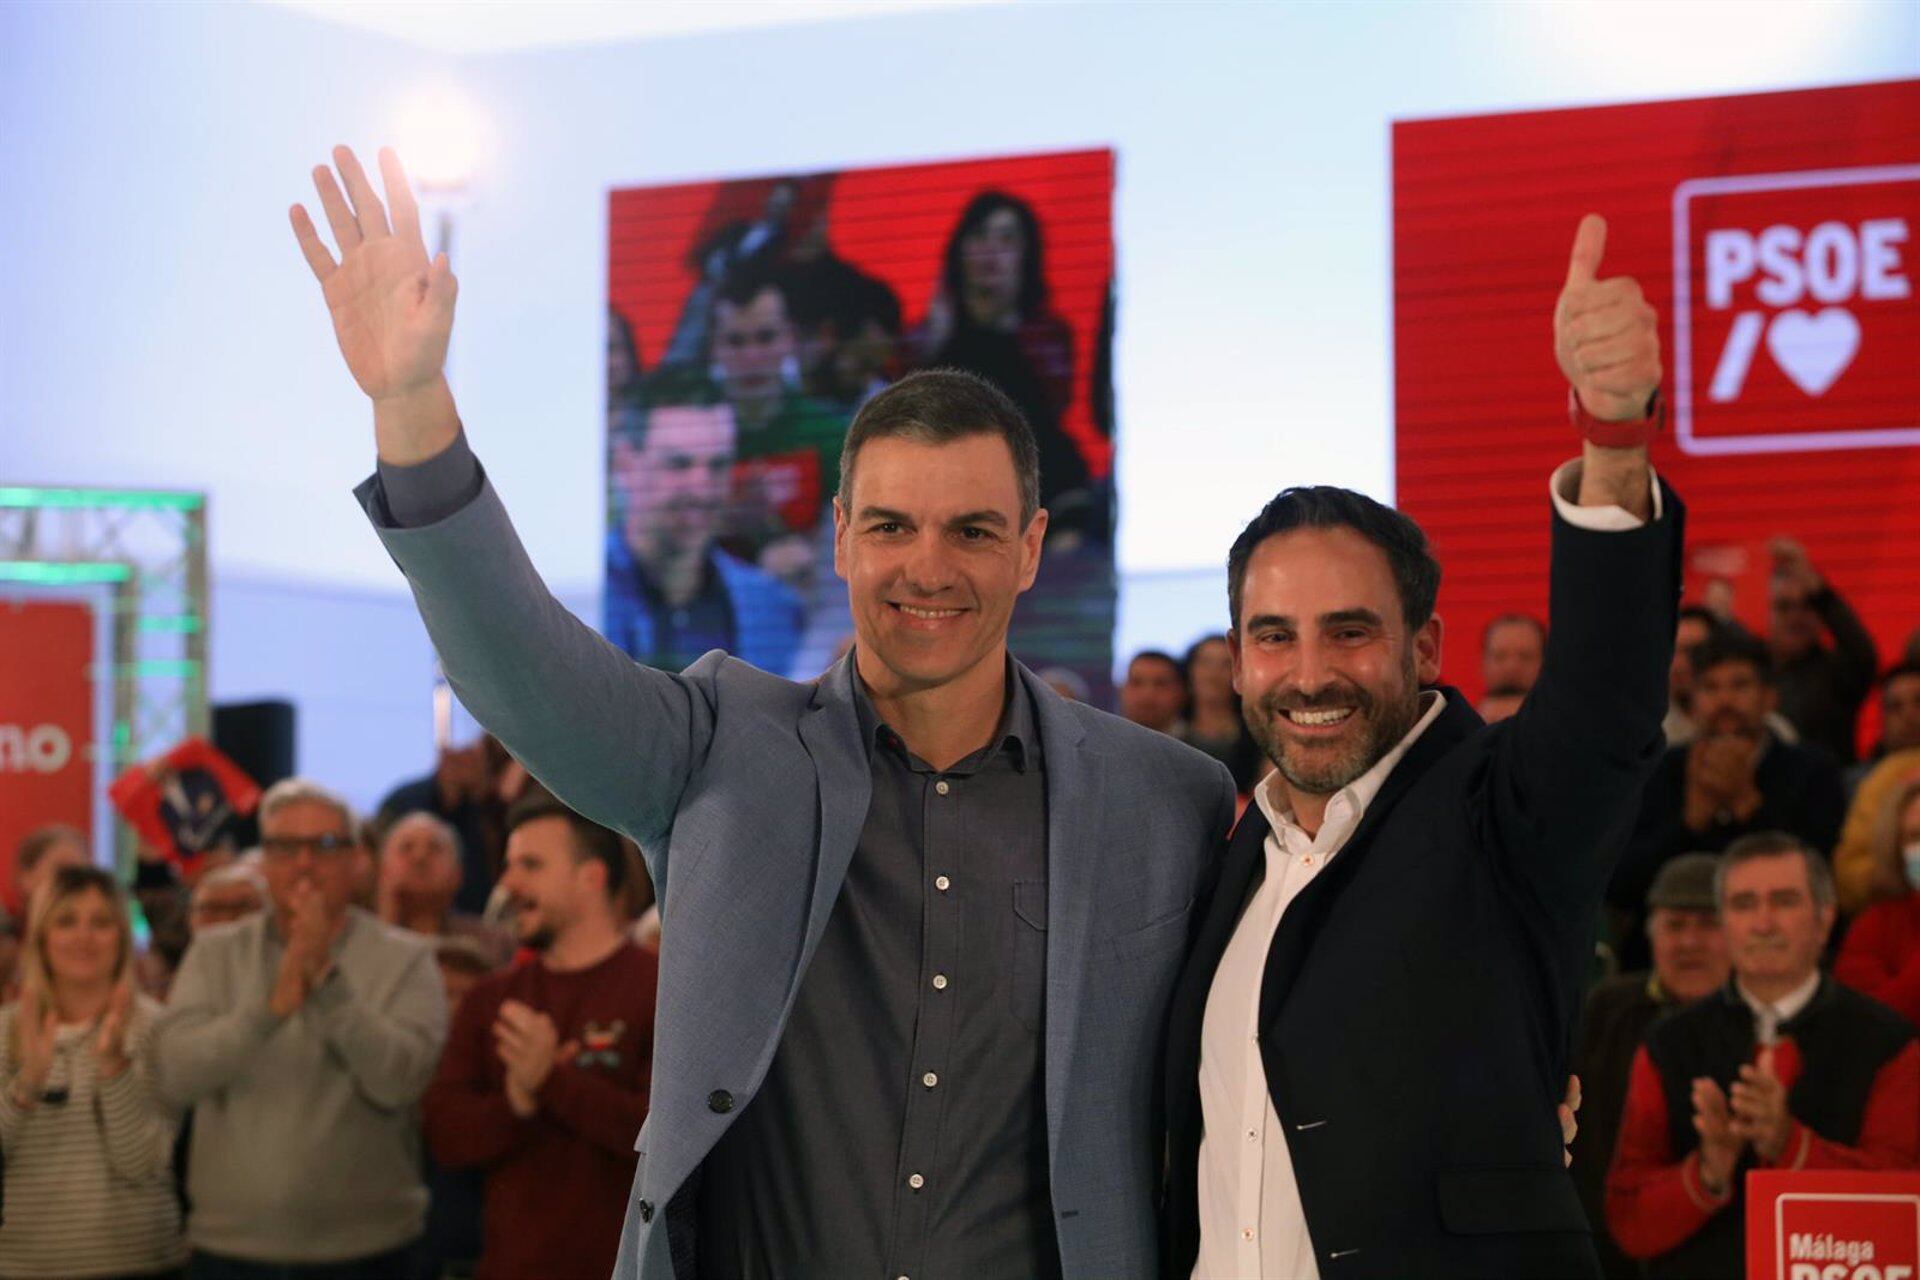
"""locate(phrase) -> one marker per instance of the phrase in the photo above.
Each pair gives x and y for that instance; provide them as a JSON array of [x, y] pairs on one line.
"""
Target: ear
[[842, 524], [1426, 651], [1030, 540]]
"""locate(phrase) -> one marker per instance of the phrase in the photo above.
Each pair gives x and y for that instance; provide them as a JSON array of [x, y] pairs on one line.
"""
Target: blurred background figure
[[1899, 721], [1734, 778], [419, 879], [1512, 647], [545, 1077], [1214, 723], [1786, 1070], [86, 1144], [1821, 684], [470, 789], [1689, 962], [992, 316], [228, 893], [1880, 956], [39, 854], [1154, 693], [302, 1037]]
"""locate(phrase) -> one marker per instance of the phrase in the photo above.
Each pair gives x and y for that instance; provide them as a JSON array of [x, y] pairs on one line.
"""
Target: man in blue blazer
[[1368, 1039], [922, 917]]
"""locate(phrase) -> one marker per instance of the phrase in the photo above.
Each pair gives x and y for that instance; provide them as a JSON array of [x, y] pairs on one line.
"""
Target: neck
[[990, 309], [1768, 990], [755, 413], [675, 569], [420, 917], [1309, 807], [585, 943], [940, 723], [80, 1001]]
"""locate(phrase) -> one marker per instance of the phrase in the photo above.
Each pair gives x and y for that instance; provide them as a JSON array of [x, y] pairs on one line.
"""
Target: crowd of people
[[419, 1045], [335, 1070], [1757, 974]]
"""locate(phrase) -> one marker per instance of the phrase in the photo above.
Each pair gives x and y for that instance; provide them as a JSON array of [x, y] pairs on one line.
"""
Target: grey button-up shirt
[[901, 1130]]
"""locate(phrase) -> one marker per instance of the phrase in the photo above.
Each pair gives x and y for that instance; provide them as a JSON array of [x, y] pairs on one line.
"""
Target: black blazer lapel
[[1304, 916]]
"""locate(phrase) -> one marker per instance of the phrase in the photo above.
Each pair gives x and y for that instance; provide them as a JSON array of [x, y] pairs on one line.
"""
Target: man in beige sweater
[[303, 1037]]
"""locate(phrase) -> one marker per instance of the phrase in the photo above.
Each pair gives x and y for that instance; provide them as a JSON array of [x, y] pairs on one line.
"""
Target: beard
[[1376, 726]]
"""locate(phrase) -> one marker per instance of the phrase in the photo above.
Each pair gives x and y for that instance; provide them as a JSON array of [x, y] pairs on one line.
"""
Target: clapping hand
[[528, 1045], [110, 1045], [1720, 1142], [1759, 1104], [38, 1022]]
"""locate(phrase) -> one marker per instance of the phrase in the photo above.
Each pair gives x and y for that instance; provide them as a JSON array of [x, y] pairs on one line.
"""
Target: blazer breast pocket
[[1502, 1200], [1162, 933]]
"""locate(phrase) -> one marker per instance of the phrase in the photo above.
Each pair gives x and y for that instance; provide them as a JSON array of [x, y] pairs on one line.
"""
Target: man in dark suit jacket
[[1368, 1041]]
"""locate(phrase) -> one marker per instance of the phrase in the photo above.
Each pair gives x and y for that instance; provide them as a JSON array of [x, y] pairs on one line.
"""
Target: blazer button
[[720, 1102], [646, 1211]]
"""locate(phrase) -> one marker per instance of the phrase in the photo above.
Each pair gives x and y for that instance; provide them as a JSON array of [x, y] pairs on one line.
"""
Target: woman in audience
[[1881, 954], [1214, 722], [87, 1148]]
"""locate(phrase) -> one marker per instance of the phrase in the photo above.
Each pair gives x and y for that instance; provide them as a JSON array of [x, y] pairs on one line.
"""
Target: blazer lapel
[[830, 730], [1307, 912], [1240, 870], [1074, 840]]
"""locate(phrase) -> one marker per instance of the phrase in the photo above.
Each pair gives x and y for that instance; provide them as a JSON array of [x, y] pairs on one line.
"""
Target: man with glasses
[[303, 1037]]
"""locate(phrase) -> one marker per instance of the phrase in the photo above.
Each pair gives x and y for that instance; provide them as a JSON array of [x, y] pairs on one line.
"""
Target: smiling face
[[1731, 698], [549, 885], [1326, 666], [673, 476], [752, 343], [306, 842], [1512, 656], [934, 556], [83, 940]]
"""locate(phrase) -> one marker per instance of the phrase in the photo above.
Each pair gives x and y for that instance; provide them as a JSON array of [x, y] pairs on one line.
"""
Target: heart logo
[[1814, 350]]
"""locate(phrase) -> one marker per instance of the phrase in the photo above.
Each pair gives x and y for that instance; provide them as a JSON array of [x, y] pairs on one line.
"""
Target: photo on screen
[[747, 323]]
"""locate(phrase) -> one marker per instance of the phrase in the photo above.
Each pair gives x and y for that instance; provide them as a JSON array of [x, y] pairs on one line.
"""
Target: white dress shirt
[[1768, 1017], [1251, 1219]]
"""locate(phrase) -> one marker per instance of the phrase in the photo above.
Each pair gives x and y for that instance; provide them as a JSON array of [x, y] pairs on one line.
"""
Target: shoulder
[[376, 935], [733, 679], [1878, 1023], [1165, 758], [235, 937], [1618, 992], [1690, 1023]]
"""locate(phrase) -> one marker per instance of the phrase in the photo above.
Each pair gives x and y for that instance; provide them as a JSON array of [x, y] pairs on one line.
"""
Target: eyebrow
[[1337, 618], [985, 516]]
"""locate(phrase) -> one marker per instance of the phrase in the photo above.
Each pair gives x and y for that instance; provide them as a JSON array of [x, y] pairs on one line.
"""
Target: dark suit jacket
[[1418, 1007]]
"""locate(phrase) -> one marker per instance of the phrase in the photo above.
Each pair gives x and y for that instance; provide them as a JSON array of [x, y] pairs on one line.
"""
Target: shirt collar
[[1785, 1009], [1271, 795], [1016, 732]]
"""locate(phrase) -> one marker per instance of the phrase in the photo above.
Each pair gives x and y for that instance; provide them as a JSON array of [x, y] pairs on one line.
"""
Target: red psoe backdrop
[[1833, 1225], [46, 723], [1779, 237]]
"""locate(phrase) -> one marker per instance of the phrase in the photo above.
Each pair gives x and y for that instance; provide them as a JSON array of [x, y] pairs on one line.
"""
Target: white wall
[[158, 328]]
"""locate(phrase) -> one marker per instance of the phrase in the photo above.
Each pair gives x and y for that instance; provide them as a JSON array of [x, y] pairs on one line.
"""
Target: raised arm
[[615, 740], [1574, 759]]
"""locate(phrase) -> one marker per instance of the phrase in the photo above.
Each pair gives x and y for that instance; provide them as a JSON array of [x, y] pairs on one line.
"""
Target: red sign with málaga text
[[46, 721], [1777, 234], [1841, 1225]]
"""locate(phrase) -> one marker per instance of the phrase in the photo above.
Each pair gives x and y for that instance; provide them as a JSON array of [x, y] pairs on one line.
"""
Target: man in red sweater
[[1783, 1068], [544, 1081]]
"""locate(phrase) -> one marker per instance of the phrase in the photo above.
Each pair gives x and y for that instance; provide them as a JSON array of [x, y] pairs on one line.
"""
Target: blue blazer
[[747, 793]]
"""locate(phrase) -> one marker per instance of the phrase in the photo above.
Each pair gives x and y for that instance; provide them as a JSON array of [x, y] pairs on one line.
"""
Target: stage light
[[437, 131]]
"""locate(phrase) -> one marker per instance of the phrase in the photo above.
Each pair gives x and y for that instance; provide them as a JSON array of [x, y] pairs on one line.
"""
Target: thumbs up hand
[[1605, 335]]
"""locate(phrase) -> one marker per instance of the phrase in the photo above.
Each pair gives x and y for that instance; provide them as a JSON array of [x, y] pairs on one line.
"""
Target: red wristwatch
[[1631, 434]]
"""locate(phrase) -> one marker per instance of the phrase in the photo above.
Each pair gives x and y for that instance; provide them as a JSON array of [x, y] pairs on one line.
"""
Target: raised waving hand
[[392, 308]]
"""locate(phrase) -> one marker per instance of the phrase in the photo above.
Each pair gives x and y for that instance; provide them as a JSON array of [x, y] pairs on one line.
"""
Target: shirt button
[[916, 1182], [942, 787], [1253, 1135], [942, 883], [930, 1079], [1246, 1233], [939, 982]]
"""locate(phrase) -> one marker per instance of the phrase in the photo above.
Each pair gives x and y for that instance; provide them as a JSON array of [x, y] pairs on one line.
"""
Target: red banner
[[1833, 1225], [1775, 233], [46, 721]]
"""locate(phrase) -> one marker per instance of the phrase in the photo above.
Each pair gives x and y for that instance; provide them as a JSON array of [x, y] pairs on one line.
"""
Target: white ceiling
[[496, 26]]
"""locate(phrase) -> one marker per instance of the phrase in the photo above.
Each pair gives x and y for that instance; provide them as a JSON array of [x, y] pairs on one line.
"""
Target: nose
[[927, 569], [1312, 673]]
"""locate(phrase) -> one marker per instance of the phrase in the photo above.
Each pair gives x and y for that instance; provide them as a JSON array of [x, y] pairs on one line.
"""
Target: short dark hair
[[1415, 572], [1512, 620], [1775, 844], [1728, 644], [1699, 613], [669, 387], [590, 839], [1161, 655], [938, 406], [748, 280]]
